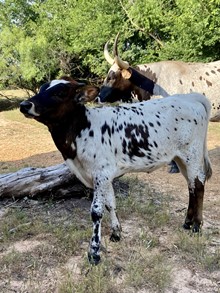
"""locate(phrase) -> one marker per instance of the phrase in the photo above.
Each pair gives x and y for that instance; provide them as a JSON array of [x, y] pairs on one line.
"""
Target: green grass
[[150, 207], [66, 236], [13, 225], [94, 279], [150, 270], [196, 247], [66, 232]]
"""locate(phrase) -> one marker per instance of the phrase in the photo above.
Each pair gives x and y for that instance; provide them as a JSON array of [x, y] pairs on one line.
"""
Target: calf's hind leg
[[111, 207], [195, 207]]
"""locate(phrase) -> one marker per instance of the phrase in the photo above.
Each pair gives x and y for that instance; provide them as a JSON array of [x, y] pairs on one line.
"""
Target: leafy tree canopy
[[44, 39]]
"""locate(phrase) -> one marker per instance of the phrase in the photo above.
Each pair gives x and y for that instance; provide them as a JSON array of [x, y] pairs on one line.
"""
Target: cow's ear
[[87, 94], [126, 73]]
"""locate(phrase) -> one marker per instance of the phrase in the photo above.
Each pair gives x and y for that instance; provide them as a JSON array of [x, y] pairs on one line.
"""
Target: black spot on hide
[[113, 129], [95, 217], [105, 128], [158, 123], [137, 139], [91, 133], [124, 146]]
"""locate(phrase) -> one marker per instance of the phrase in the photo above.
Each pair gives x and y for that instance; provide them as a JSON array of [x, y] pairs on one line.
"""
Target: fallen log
[[55, 181]]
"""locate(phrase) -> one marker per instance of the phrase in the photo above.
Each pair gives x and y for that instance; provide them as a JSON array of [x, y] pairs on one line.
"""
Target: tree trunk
[[56, 181]]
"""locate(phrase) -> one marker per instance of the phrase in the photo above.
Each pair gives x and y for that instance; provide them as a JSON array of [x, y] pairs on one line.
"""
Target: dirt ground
[[21, 151]]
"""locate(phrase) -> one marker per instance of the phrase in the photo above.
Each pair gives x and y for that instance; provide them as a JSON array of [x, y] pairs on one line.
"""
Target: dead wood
[[55, 181]]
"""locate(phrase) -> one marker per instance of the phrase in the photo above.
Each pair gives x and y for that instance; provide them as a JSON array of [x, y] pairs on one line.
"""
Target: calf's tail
[[207, 163], [207, 167]]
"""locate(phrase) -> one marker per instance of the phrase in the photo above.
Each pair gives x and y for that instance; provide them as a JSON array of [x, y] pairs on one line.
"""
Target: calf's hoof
[[196, 228], [116, 236], [94, 259], [187, 226]]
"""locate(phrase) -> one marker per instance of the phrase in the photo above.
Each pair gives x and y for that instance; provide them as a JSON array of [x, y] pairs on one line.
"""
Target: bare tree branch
[[6, 97]]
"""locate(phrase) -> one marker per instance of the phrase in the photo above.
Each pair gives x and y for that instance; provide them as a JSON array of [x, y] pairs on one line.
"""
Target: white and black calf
[[100, 144]]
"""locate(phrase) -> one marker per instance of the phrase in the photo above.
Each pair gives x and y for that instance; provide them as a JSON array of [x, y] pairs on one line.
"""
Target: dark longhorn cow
[[102, 143]]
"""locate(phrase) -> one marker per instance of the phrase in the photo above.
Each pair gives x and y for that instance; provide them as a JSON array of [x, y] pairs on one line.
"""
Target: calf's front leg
[[103, 197], [97, 209]]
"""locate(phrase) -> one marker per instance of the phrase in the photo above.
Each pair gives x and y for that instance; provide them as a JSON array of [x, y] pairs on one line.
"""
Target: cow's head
[[122, 79], [57, 100]]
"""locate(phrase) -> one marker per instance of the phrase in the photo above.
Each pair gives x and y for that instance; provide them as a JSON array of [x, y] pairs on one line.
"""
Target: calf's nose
[[25, 106]]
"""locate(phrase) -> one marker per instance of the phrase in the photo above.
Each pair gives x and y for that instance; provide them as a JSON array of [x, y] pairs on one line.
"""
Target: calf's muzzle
[[25, 106]]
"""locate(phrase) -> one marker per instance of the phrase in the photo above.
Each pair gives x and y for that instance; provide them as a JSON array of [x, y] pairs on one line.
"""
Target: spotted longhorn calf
[[102, 143]]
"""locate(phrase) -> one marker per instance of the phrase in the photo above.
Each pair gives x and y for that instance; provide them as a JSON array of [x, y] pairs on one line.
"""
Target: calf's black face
[[48, 102], [56, 100]]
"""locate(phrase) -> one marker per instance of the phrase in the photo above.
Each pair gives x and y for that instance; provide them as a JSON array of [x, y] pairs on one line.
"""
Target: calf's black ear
[[87, 94]]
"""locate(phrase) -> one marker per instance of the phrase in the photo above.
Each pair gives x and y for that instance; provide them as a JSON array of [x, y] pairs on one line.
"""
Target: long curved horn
[[108, 58], [122, 64], [115, 47]]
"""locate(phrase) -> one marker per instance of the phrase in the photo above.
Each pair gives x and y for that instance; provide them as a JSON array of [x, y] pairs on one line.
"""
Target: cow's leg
[[173, 167], [103, 196], [96, 215], [195, 207], [111, 207], [97, 210], [196, 191]]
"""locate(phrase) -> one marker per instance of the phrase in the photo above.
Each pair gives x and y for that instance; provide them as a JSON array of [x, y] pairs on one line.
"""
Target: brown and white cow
[[102, 143], [162, 79]]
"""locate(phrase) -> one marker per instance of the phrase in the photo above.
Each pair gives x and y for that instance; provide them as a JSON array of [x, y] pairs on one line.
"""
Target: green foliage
[[194, 31], [41, 40]]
